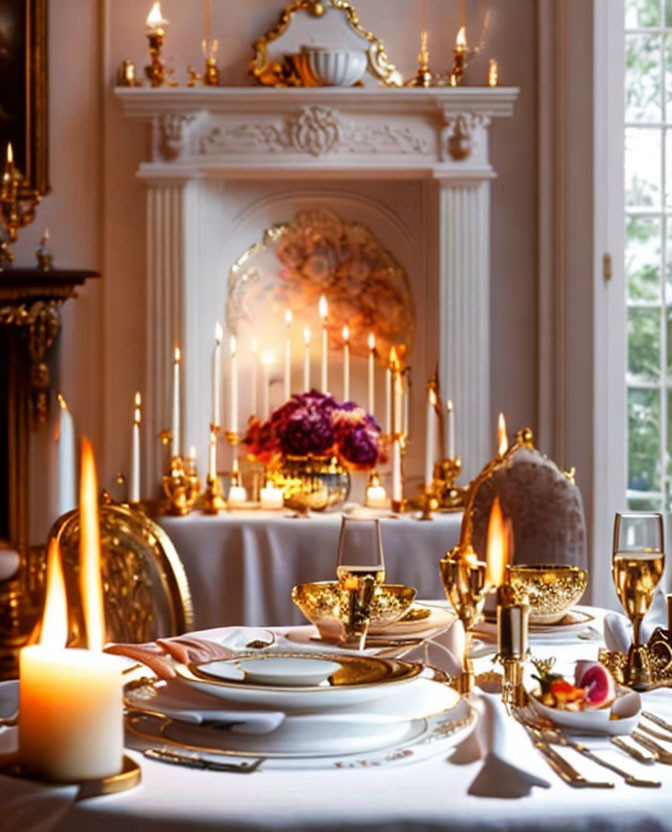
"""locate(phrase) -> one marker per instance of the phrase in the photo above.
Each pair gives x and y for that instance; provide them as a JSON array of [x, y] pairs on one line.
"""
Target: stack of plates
[[290, 708]]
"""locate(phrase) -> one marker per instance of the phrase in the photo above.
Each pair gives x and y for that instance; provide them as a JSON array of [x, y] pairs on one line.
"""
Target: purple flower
[[360, 448], [307, 432]]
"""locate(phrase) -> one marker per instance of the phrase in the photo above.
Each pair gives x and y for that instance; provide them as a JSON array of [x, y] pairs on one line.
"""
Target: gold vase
[[313, 483]]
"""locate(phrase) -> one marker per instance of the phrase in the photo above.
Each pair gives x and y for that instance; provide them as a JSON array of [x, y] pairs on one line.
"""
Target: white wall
[[97, 213]]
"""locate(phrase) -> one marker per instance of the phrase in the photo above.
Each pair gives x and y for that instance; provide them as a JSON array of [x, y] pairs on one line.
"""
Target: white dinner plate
[[620, 718], [437, 619], [575, 624], [439, 719], [360, 678]]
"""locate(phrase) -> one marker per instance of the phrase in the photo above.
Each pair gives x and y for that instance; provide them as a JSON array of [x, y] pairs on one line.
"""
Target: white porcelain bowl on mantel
[[335, 67]]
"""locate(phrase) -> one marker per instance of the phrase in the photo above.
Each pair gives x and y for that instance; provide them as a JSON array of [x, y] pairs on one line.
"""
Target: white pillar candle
[[324, 310], [212, 456], [271, 497], [237, 493], [376, 497], [233, 388], [288, 355], [71, 724], [388, 401], [397, 493], [346, 364], [176, 442], [266, 362], [134, 479], [254, 348], [450, 429], [217, 376], [66, 459], [430, 438], [306, 360], [372, 384]]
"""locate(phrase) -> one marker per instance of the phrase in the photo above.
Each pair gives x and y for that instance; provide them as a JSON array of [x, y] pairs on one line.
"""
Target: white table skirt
[[242, 566], [425, 796]]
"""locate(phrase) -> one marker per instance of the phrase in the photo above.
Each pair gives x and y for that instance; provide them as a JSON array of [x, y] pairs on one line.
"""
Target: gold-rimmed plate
[[358, 679]]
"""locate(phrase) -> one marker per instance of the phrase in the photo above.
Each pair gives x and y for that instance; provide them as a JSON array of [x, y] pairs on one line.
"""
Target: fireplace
[[410, 165]]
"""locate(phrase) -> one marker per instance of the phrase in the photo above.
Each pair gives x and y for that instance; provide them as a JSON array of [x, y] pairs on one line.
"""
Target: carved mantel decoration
[[220, 154]]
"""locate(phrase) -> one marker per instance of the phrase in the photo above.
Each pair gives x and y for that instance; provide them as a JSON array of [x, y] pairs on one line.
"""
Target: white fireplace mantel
[[204, 137]]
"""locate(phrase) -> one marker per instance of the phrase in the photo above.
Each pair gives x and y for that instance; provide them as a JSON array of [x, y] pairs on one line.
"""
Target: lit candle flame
[[219, 333], [288, 317], [498, 548], [394, 360], [62, 403], [432, 397], [493, 73], [155, 19], [235, 465], [502, 438], [178, 354], [10, 154], [54, 625], [323, 308], [449, 405], [453, 80], [306, 335], [192, 452], [346, 333], [461, 39], [91, 583], [372, 341], [138, 403]]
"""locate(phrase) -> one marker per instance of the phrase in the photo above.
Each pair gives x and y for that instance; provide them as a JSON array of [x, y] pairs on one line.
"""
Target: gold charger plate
[[128, 778]]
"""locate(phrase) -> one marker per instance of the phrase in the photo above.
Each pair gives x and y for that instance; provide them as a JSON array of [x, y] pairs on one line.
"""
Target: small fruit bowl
[[551, 589], [620, 718], [324, 601]]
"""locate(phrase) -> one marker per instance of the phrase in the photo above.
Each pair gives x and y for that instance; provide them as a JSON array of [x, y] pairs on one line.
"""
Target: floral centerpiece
[[309, 445]]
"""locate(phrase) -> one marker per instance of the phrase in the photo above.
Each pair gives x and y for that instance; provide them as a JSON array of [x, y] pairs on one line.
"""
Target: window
[[648, 251]]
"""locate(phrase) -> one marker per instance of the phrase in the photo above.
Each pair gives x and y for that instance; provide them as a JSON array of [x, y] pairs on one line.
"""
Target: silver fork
[[554, 735]]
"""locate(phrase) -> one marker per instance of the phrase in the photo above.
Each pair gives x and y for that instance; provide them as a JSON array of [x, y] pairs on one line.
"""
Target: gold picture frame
[[24, 81], [286, 74]]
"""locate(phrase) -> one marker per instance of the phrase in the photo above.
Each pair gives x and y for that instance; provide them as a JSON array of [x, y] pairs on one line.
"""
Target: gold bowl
[[551, 589], [324, 601]]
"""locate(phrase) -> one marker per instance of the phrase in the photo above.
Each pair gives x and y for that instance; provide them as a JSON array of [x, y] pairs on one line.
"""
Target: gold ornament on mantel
[[17, 206], [210, 77], [156, 71]]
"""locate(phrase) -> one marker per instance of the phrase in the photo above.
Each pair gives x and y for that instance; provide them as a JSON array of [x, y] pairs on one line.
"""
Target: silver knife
[[179, 758]]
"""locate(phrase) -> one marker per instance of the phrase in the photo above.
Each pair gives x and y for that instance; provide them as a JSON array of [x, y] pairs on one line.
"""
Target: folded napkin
[[444, 650], [618, 630], [504, 741], [187, 704]]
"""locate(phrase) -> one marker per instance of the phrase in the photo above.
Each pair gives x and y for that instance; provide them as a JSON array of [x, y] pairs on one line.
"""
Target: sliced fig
[[597, 682]]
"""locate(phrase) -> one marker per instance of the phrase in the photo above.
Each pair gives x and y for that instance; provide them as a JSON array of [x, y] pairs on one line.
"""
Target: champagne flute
[[360, 569], [637, 567]]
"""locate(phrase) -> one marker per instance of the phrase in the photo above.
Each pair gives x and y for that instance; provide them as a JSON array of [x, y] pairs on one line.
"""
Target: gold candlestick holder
[[429, 503], [423, 77], [463, 54], [450, 496], [156, 69], [232, 437], [212, 499], [512, 627], [17, 206], [181, 487], [210, 76], [464, 583]]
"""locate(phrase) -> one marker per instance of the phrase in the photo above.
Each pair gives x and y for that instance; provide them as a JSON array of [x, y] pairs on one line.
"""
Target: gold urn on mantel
[[312, 483]]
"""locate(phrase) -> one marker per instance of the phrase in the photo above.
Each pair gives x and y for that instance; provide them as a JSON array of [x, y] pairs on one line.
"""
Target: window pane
[[642, 13], [643, 440], [642, 78], [642, 167], [642, 257], [643, 346], [649, 504]]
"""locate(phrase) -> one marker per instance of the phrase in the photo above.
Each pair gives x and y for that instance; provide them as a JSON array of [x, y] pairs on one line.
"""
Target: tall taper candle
[[233, 388], [346, 364], [176, 442], [372, 378], [288, 355], [306, 360], [430, 439], [388, 401], [217, 376], [66, 459], [134, 481], [397, 491], [266, 361], [450, 429], [254, 349], [324, 311], [212, 455]]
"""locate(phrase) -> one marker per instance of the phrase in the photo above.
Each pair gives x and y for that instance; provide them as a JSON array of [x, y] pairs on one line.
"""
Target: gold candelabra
[[423, 77], [181, 486], [210, 76], [212, 500], [156, 69], [463, 54], [17, 206]]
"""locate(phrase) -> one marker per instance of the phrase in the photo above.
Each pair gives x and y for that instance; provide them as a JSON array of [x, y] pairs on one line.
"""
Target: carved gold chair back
[[146, 592]]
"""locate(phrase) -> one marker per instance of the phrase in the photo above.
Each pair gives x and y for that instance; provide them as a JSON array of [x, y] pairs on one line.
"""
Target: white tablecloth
[[242, 566], [429, 795]]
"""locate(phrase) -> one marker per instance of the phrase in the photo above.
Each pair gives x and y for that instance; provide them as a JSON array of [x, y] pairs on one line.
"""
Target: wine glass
[[360, 569], [637, 567]]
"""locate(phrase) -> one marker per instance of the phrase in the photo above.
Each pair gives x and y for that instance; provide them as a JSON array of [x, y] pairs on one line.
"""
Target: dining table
[[241, 565], [430, 794]]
